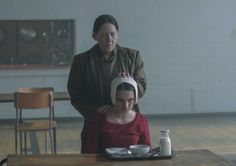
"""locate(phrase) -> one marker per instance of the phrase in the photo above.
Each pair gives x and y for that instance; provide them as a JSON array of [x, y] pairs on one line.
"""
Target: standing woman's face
[[106, 38]]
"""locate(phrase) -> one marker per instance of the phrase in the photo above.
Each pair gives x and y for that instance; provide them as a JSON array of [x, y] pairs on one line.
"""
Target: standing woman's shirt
[[103, 134]]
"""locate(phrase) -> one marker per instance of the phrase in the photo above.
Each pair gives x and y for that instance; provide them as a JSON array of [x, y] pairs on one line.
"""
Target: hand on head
[[124, 74]]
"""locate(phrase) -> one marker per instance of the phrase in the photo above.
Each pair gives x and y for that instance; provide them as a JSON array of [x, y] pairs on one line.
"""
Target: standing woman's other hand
[[104, 109]]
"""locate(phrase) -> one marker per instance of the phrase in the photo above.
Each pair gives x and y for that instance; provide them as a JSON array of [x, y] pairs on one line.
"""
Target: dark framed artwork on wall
[[37, 42]]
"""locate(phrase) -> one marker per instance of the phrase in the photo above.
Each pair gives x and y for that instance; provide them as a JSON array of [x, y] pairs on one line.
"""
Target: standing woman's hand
[[104, 109], [125, 74]]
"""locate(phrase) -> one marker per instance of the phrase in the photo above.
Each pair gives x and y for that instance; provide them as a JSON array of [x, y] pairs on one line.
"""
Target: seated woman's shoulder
[[141, 116]]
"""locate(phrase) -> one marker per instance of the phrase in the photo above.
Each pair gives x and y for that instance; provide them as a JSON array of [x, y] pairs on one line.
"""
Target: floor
[[214, 132]]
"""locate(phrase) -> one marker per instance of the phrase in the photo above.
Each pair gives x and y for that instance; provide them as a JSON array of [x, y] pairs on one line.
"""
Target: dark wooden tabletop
[[181, 158]]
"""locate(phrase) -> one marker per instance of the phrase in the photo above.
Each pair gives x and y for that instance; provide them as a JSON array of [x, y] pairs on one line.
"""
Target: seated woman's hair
[[125, 86]]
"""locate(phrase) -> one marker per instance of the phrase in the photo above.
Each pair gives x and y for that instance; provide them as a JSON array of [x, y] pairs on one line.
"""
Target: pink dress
[[103, 134]]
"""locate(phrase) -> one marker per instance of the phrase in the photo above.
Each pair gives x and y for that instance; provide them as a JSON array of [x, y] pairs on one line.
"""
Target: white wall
[[188, 47]]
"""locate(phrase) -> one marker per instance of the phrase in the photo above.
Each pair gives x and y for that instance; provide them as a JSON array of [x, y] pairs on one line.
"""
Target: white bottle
[[165, 143]]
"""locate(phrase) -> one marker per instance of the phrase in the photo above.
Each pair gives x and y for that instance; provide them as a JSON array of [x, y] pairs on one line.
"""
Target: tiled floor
[[215, 132]]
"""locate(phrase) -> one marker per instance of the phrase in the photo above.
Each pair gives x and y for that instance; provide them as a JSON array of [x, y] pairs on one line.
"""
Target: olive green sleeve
[[139, 75]]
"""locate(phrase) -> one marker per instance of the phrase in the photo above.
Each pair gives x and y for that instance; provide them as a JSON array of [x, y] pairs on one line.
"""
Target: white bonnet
[[119, 80]]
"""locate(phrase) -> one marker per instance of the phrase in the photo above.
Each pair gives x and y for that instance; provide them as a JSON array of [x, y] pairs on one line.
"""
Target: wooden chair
[[35, 99]]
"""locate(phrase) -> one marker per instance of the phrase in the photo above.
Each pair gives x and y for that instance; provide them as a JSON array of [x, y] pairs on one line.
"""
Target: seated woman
[[120, 126]]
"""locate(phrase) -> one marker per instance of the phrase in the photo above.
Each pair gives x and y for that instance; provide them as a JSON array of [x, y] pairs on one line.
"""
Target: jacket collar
[[99, 52]]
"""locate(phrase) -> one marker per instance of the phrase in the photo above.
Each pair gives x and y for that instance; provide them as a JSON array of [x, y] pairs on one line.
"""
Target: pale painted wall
[[188, 47]]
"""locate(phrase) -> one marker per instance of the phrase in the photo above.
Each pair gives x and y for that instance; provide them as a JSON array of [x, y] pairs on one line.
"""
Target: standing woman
[[91, 72]]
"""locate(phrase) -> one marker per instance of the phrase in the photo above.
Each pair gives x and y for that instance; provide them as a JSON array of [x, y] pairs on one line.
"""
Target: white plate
[[116, 150]]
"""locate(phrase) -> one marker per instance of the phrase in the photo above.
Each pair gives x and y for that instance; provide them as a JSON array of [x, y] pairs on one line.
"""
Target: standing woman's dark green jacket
[[89, 83]]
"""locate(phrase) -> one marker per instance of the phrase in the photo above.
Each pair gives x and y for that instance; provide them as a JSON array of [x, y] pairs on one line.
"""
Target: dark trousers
[[84, 135]]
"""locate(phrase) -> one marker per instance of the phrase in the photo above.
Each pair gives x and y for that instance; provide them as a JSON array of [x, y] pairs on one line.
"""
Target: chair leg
[[51, 141], [20, 142], [25, 138], [16, 140], [46, 142], [54, 140]]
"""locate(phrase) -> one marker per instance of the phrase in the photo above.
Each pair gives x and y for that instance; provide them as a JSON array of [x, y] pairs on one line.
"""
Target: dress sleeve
[[92, 137], [145, 136]]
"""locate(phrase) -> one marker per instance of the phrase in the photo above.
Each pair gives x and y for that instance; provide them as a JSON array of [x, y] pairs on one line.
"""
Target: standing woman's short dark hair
[[103, 19]]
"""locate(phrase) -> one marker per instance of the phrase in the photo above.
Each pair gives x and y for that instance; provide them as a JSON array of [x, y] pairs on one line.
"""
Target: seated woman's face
[[124, 100], [106, 37]]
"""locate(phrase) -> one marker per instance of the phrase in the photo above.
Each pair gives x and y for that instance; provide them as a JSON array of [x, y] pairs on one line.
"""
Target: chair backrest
[[34, 98]]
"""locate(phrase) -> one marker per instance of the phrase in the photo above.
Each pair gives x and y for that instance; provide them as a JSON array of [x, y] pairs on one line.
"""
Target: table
[[9, 97], [182, 158]]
